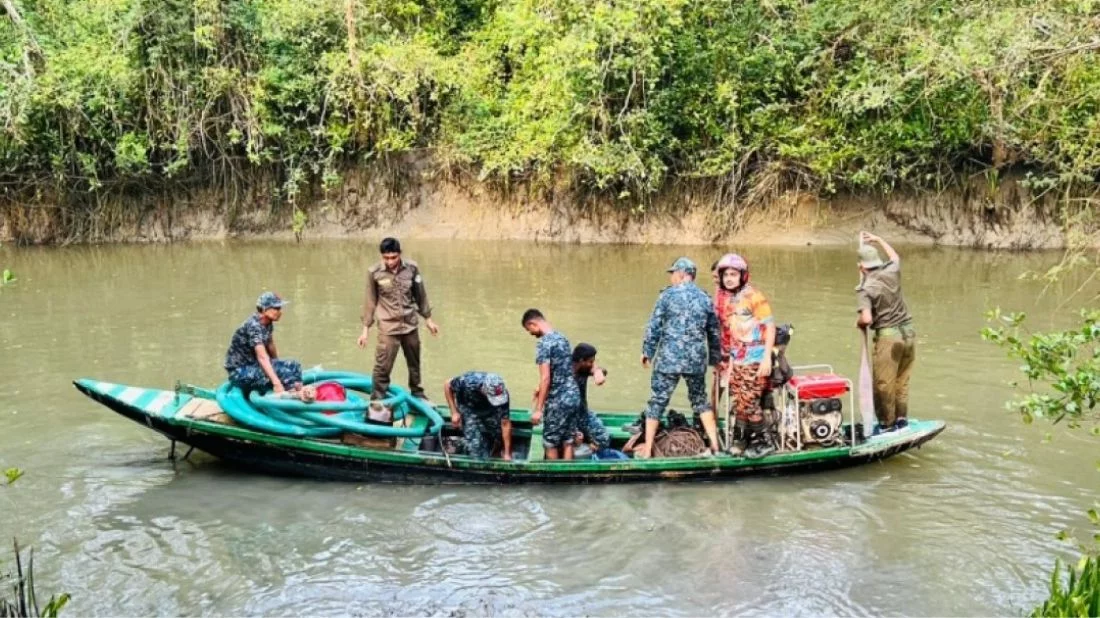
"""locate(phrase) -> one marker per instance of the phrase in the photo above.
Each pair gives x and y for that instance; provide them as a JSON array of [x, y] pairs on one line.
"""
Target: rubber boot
[[738, 441], [760, 442]]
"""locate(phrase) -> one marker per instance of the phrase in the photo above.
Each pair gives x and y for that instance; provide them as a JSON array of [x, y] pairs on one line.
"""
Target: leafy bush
[[1079, 596], [619, 96], [1063, 372], [1065, 364]]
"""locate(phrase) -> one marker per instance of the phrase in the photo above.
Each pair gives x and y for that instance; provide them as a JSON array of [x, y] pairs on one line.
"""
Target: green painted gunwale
[[145, 401]]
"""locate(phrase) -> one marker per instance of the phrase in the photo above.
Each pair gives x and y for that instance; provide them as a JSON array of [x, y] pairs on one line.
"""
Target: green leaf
[[1094, 517], [13, 474]]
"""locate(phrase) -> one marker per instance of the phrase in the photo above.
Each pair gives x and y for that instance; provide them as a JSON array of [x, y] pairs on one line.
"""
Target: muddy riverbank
[[420, 201]]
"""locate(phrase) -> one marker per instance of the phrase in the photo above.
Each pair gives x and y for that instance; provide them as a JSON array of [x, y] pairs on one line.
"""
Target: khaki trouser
[[385, 355], [894, 353]]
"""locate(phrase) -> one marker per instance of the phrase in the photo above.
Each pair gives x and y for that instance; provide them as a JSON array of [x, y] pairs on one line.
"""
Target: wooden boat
[[191, 416]]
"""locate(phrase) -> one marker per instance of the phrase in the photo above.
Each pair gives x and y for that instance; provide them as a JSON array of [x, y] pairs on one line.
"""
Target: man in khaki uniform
[[395, 296], [883, 309]]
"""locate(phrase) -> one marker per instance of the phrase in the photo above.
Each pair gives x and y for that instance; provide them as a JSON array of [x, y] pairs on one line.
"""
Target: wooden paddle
[[866, 392], [866, 386]]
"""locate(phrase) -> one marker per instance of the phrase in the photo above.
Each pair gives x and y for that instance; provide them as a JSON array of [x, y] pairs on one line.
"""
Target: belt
[[901, 330]]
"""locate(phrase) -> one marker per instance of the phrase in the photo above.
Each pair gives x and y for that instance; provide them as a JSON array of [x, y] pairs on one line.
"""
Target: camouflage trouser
[[895, 351], [252, 377], [481, 435], [559, 421], [594, 431], [662, 385], [745, 391]]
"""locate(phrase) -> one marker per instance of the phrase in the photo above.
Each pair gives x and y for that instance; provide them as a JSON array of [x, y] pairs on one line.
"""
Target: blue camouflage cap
[[270, 300], [683, 264], [493, 389]]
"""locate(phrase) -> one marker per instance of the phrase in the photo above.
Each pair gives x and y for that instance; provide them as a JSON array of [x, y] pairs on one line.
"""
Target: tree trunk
[[353, 47]]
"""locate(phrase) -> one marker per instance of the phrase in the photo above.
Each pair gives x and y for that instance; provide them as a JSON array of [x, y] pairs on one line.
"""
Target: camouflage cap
[[683, 264], [869, 257], [494, 391], [270, 300]]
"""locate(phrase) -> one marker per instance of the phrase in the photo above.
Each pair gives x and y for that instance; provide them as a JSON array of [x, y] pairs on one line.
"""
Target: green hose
[[297, 418]]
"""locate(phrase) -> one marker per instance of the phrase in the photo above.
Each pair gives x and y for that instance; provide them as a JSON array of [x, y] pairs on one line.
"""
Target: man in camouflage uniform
[[252, 359], [557, 400], [479, 405], [395, 296], [592, 429], [682, 339]]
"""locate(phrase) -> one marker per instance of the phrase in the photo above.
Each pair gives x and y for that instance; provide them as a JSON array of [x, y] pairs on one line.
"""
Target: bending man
[[479, 405], [592, 429]]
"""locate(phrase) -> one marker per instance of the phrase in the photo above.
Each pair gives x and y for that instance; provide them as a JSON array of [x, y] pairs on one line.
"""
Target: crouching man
[[479, 405], [591, 430], [252, 360]]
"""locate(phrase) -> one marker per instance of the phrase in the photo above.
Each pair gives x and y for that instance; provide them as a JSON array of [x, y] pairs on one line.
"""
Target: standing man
[[395, 296], [592, 429], [682, 339], [252, 360], [557, 399], [882, 308], [748, 340], [479, 405]]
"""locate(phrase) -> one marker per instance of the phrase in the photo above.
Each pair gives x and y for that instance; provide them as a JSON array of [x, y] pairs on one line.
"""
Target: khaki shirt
[[881, 293], [395, 298]]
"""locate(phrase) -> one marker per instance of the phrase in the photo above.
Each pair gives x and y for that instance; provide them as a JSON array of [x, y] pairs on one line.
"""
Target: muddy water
[[965, 526]]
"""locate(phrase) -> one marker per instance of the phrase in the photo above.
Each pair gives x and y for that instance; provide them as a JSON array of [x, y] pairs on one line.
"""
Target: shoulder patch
[[418, 278]]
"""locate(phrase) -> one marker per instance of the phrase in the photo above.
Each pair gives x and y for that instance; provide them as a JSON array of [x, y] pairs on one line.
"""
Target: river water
[[964, 526]]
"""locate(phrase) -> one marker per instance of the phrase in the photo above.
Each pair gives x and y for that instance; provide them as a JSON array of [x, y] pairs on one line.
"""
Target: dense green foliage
[[1064, 365], [619, 96]]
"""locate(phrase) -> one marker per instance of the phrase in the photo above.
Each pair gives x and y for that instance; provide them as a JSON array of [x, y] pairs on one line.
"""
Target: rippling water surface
[[964, 526]]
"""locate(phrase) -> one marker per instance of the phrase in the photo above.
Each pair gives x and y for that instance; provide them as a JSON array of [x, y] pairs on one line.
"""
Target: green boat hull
[[160, 410]]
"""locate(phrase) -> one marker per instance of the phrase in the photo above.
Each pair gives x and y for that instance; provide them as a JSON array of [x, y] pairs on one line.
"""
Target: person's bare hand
[[765, 368]]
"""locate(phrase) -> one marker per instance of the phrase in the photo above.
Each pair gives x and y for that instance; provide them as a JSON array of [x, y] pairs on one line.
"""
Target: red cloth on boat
[[331, 391]]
